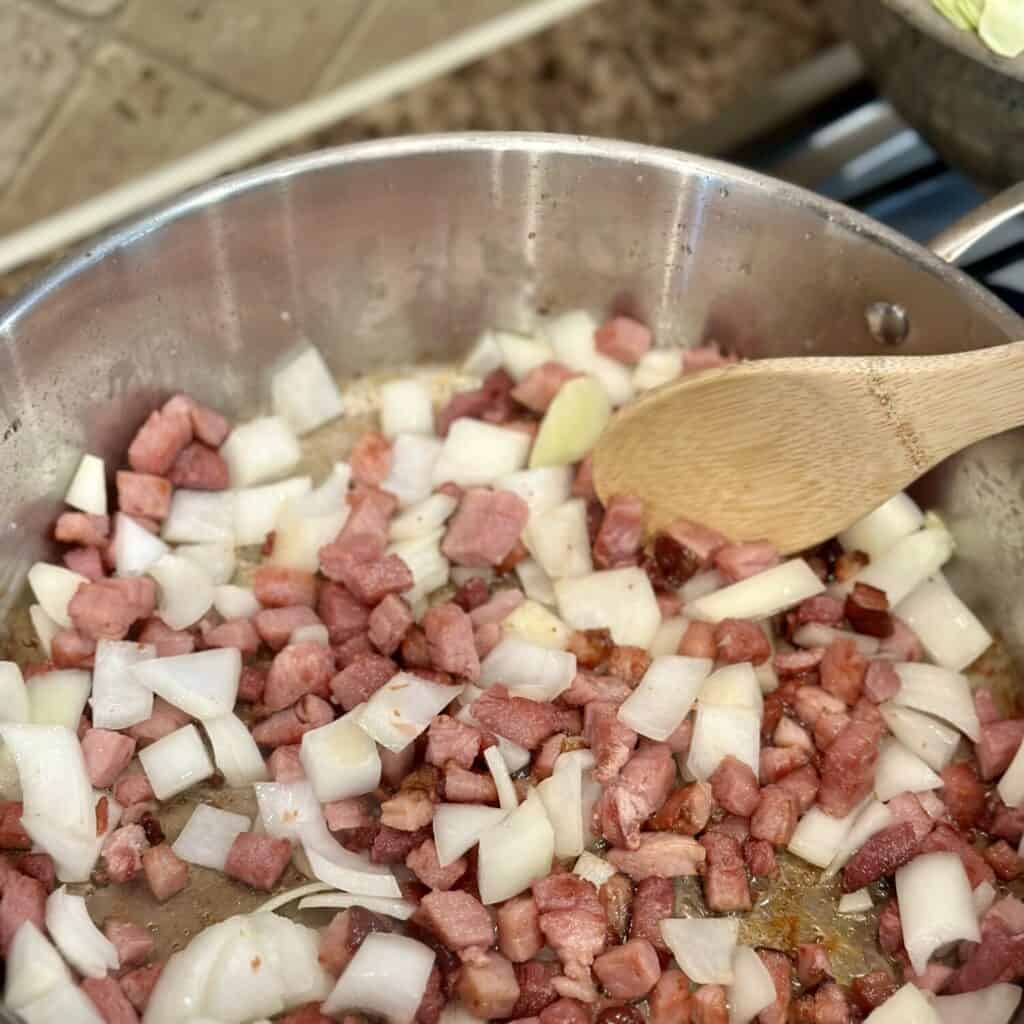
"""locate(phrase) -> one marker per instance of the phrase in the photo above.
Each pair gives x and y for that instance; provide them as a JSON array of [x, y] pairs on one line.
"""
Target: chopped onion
[[304, 393], [54, 586], [933, 741], [203, 685], [539, 673], [288, 810], [245, 982], [516, 757], [413, 460], [703, 947], [315, 633], [752, 989], [701, 583], [870, 820], [88, 488], [858, 902], [402, 709], [535, 582], [135, 548], [208, 835], [720, 731], [668, 637], [535, 624], [984, 896], [58, 698], [657, 367], [949, 631], [621, 600], [936, 906], [284, 898], [908, 563], [1011, 785], [46, 629], [405, 407], [665, 695], [995, 1004], [342, 869], [476, 453], [734, 686], [260, 450], [939, 692], [484, 356], [520, 354], [216, 560], [235, 752], [562, 796], [176, 762], [572, 338], [423, 518], [33, 968], [340, 759], [900, 770], [200, 517], [818, 836], [186, 592], [879, 530], [14, 703], [257, 509], [458, 827], [559, 540], [387, 978], [543, 488], [429, 567], [60, 1004], [816, 634], [80, 942], [307, 522], [594, 869], [515, 852], [401, 910], [507, 799], [759, 596], [74, 853], [233, 602], [572, 424]]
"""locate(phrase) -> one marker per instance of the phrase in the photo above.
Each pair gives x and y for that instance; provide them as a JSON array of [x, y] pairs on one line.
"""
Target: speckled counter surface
[[637, 69]]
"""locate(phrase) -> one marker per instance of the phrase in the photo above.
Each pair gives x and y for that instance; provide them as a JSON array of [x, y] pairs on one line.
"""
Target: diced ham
[[238, 633], [168, 642], [830, 1005], [451, 740], [624, 339], [164, 719], [132, 942], [69, 649], [279, 587], [739, 640], [985, 706], [610, 739], [138, 984], [740, 561], [497, 609], [353, 812], [368, 579], [1004, 860], [298, 670], [822, 608], [344, 935], [360, 680], [159, 440], [565, 1011], [699, 641], [310, 1014], [642, 787], [867, 609], [881, 683], [291, 724], [710, 1005], [343, 615], [407, 811], [686, 811], [123, 851], [849, 768], [199, 468], [813, 965], [108, 608], [538, 388], [543, 763], [869, 991], [535, 987], [90, 531], [370, 459], [165, 873], [679, 741], [781, 971], [616, 896], [587, 687], [789, 734], [842, 670], [734, 786], [803, 784], [424, 864], [488, 988], [706, 357], [828, 727], [621, 534], [628, 971], [576, 936], [777, 762], [776, 816], [903, 643], [284, 764], [565, 891], [394, 766], [996, 747], [944, 838], [86, 562], [725, 877], [519, 934], [759, 856], [473, 593], [660, 855], [258, 860], [998, 957], [797, 662], [39, 866], [812, 702], [23, 899], [526, 722], [466, 787], [133, 788], [485, 528], [669, 1000], [208, 426], [1007, 822], [388, 624], [881, 855], [491, 401], [392, 845], [252, 683], [450, 640], [907, 808], [458, 919], [110, 1002]]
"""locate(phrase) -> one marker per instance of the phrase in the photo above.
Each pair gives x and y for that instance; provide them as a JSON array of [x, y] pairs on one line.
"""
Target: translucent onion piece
[[515, 852], [665, 695], [879, 530], [574, 420], [542, 489], [939, 692], [429, 567], [58, 698], [667, 639], [185, 591], [507, 799], [1001, 27], [899, 770], [701, 583], [45, 628], [621, 600], [423, 518], [54, 586], [304, 393], [528, 669], [458, 827], [594, 869], [984, 896], [818, 836], [413, 461], [200, 517], [657, 367], [562, 796], [719, 732], [949, 631], [520, 354], [559, 540], [288, 810], [484, 356], [260, 450], [257, 509], [908, 563], [203, 685], [535, 582], [908, 1005], [734, 686], [299, 892], [232, 602], [402, 709], [176, 762], [401, 910], [80, 942], [207, 836], [815, 634], [340, 759], [759, 596], [14, 703], [703, 947], [993, 1005], [873, 817], [135, 548], [216, 560], [476, 453], [88, 488], [933, 741], [60, 1004], [858, 902], [234, 751], [1011, 785], [752, 989], [33, 968], [405, 407], [350, 872]]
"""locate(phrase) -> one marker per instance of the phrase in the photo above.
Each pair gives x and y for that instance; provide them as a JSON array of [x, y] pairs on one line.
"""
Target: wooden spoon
[[795, 450]]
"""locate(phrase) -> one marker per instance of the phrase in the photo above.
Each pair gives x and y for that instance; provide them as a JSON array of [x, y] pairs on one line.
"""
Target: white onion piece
[[872, 819], [88, 488], [14, 703], [700, 584], [719, 732], [58, 698], [233, 602], [405, 407], [949, 631], [298, 537], [668, 637], [520, 354], [984, 896], [562, 796], [257, 509], [340, 759], [284, 898], [401, 910], [402, 709], [413, 461], [387, 977], [933, 741], [908, 563], [899, 770], [304, 392], [216, 560], [185, 591], [572, 338], [535, 582], [200, 517], [46, 629], [993, 1005], [176, 762], [879, 530], [33, 968], [559, 541], [235, 752], [54, 586], [858, 902], [262, 449], [429, 567], [507, 799], [458, 827], [516, 757], [761, 595], [657, 367], [10, 787], [939, 692], [515, 852], [350, 872], [665, 695], [530, 670], [734, 686], [703, 947], [314, 633], [752, 988], [61, 1004], [203, 684], [135, 548], [423, 518], [245, 983], [542, 488], [288, 810], [1011, 785], [594, 869], [536, 625], [119, 700], [621, 600], [936, 905], [484, 356], [816, 634], [80, 942], [476, 453], [818, 836], [208, 835], [74, 853]]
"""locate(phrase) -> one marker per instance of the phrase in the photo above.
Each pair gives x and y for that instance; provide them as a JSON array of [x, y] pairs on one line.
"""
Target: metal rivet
[[888, 323]]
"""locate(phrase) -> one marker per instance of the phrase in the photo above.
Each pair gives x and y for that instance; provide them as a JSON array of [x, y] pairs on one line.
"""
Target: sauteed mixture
[[439, 736]]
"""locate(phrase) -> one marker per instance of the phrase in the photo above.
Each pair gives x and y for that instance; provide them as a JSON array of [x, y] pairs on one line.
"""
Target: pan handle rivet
[[888, 323]]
